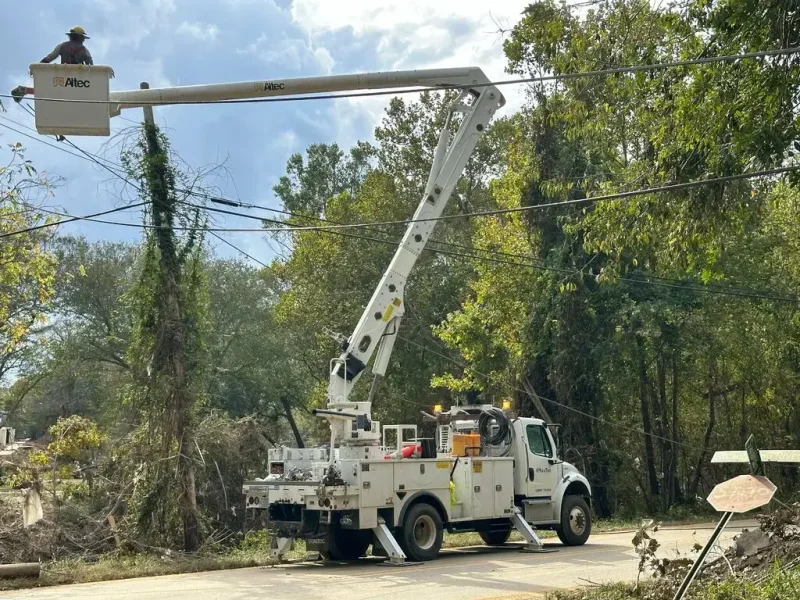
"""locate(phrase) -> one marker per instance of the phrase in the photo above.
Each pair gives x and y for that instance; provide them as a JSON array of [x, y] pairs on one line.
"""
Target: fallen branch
[[19, 570]]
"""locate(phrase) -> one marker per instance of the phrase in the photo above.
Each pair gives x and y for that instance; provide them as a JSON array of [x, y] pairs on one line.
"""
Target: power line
[[548, 400], [494, 212], [502, 211], [541, 79], [723, 290], [493, 252], [71, 218], [38, 139], [97, 160], [223, 240], [683, 286]]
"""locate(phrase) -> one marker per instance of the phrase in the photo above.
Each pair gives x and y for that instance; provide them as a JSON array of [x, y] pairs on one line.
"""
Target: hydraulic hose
[[500, 437]]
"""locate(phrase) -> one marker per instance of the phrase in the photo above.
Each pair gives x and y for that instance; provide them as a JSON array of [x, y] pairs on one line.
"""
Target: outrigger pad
[[405, 563], [541, 550]]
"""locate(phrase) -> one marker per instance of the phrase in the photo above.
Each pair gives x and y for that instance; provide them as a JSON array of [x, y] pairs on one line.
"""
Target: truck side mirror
[[555, 431]]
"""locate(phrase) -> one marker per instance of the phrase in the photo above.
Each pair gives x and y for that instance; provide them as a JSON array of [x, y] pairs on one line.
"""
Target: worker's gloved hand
[[18, 93]]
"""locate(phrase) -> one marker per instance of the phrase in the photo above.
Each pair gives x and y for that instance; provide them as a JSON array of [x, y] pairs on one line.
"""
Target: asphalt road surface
[[463, 574]]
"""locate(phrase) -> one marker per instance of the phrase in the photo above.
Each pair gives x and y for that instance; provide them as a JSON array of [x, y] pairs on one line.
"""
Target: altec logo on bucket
[[71, 82]]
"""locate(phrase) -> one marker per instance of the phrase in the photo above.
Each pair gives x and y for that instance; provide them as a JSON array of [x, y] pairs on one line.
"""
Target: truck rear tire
[[576, 521], [348, 544], [497, 537], [421, 533]]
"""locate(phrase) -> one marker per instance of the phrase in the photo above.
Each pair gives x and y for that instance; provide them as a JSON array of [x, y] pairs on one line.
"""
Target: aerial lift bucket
[[72, 99]]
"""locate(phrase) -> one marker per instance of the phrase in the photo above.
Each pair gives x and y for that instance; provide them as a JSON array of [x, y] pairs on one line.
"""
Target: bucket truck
[[486, 471]]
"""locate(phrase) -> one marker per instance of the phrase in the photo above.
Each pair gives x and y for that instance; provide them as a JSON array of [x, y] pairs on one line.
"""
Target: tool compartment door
[[376, 480], [482, 488], [503, 470]]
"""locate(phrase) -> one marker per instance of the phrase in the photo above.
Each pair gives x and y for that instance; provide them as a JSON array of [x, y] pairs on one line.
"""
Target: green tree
[[327, 172], [80, 365], [27, 268], [167, 350], [256, 367], [658, 353]]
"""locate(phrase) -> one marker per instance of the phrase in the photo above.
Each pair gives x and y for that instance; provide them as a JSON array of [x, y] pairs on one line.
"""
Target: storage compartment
[[484, 488], [466, 444], [58, 91]]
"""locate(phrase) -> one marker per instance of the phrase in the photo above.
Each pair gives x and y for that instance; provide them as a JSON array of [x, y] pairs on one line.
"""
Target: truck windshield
[[538, 441]]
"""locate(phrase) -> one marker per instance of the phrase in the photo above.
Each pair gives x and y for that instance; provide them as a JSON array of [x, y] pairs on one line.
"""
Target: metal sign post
[[738, 495], [754, 456], [687, 581]]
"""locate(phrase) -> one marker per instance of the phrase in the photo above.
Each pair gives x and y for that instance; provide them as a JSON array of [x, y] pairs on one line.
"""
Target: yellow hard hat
[[78, 31]]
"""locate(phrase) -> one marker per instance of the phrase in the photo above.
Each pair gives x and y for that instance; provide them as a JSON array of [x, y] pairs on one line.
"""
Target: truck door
[[542, 473]]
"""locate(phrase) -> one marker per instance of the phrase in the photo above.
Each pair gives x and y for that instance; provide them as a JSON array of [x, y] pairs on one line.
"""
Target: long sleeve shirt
[[71, 53]]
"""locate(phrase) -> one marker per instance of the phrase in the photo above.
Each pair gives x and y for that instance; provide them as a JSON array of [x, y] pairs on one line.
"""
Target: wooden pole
[[173, 340]]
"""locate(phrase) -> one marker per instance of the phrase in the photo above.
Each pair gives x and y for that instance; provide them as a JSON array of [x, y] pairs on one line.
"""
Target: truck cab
[[552, 492]]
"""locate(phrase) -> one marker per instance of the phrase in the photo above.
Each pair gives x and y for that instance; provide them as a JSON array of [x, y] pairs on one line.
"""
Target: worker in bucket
[[72, 52]]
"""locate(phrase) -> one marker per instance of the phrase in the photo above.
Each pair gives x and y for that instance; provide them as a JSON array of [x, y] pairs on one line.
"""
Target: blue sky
[[185, 42]]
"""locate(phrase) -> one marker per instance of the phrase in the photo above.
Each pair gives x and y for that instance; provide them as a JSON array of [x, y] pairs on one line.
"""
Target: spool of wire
[[495, 429]]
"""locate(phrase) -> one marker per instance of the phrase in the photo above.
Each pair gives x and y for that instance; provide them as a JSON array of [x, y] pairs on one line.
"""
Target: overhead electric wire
[[389, 92], [487, 213], [502, 211], [71, 218], [678, 284], [393, 243], [726, 290], [494, 252], [550, 401], [239, 250], [45, 142]]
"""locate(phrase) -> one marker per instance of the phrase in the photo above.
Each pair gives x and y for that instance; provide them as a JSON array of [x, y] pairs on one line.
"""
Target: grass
[[779, 585], [254, 552]]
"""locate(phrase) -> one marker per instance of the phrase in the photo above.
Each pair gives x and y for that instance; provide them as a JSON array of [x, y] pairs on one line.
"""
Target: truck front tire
[[576, 521], [421, 533]]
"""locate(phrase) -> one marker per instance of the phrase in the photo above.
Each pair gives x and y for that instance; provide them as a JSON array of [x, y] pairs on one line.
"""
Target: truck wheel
[[349, 544], [498, 537], [421, 534], [576, 521]]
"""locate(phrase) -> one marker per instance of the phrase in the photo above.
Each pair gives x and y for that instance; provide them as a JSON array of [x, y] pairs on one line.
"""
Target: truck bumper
[[307, 509]]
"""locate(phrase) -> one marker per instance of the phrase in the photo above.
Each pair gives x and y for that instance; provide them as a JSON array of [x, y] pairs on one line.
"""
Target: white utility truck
[[487, 471]]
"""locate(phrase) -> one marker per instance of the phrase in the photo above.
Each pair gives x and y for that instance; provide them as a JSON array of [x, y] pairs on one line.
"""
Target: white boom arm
[[75, 100], [218, 92], [376, 331]]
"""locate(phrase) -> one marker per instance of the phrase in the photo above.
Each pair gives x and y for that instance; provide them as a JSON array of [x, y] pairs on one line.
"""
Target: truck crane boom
[[377, 329], [75, 100]]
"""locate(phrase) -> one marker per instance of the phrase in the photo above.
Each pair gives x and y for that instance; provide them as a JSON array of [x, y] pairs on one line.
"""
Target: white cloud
[[324, 59], [295, 53], [128, 22], [387, 15], [419, 34], [286, 141], [198, 31]]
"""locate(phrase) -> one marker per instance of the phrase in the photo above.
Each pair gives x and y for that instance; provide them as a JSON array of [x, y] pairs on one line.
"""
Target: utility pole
[[170, 341]]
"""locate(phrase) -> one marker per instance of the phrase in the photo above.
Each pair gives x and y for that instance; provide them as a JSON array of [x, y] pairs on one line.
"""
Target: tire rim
[[424, 532], [577, 521]]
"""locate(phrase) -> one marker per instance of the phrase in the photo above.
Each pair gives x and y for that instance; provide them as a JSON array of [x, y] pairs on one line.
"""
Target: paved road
[[463, 574]]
